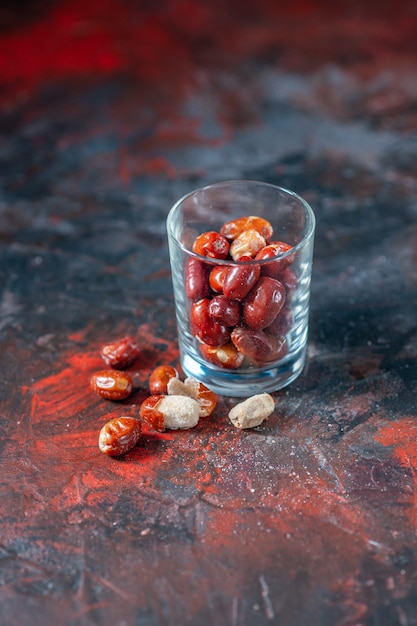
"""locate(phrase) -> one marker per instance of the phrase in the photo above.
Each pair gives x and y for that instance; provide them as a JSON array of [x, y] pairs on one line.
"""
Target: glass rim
[[288, 192]]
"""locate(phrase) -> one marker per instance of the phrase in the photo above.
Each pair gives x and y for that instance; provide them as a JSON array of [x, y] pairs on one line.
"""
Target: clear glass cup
[[256, 343]]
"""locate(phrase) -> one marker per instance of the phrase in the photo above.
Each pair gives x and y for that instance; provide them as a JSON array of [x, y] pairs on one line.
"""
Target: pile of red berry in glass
[[240, 312]]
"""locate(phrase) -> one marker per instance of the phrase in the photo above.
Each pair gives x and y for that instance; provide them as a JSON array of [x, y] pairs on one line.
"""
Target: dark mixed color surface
[[110, 111]]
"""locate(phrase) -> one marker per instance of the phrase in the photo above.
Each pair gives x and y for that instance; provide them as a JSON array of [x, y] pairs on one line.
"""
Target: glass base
[[235, 384]]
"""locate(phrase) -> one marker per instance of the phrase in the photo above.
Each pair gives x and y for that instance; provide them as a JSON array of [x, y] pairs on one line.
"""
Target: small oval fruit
[[273, 250], [240, 279], [282, 323], [206, 398], [248, 243], [193, 388], [252, 411], [204, 327], [174, 412], [119, 435], [232, 229], [217, 276], [112, 384], [120, 353], [288, 278], [226, 356], [263, 303], [159, 378], [211, 244], [224, 310], [258, 346], [197, 280]]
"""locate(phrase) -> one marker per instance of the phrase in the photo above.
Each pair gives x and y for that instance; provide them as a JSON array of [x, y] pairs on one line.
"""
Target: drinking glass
[[242, 320]]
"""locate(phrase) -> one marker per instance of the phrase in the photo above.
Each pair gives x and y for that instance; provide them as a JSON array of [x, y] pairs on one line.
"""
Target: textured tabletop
[[110, 111]]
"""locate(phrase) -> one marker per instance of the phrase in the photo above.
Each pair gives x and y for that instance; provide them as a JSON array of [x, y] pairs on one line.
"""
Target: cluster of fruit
[[240, 309], [173, 404]]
